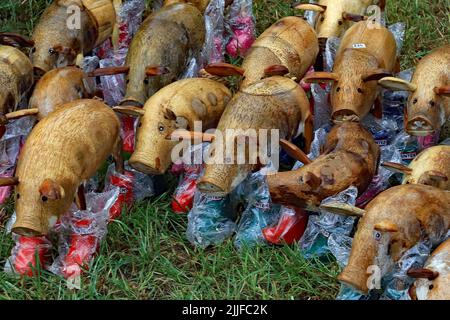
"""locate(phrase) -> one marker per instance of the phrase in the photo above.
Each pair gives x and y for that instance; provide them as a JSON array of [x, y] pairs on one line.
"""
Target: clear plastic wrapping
[[240, 24]]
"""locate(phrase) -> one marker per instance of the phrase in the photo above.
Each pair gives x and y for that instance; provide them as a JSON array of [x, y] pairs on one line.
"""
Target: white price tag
[[359, 46]]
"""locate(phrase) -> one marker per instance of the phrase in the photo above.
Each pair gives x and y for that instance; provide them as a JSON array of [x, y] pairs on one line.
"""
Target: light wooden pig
[[350, 158], [433, 281], [57, 43], [430, 167], [272, 103], [393, 222], [64, 149], [366, 54], [429, 102], [16, 78], [176, 106]]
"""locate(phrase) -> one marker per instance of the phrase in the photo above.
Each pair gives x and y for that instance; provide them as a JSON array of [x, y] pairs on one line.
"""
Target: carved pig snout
[[420, 125], [342, 115]]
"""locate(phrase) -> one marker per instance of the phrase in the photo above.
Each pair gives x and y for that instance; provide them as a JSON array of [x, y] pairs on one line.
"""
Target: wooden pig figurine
[[16, 78], [273, 103], [176, 106], [350, 157], [336, 16], [64, 149], [430, 167], [429, 102], [160, 51], [59, 41], [393, 222], [433, 281], [288, 47], [366, 54]]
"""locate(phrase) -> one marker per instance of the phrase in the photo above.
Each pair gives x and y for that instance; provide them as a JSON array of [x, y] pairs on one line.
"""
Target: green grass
[[146, 254]]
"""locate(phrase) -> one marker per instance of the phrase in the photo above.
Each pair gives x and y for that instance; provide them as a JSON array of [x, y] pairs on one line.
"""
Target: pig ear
[[15, 40], [310, 7], [432, 178], [153, 71], [110, 71], [169, 114], [422, 273], [294, 151], [396, 167], [397, 84], [51, 190], [224, 70], [343, 209], [376, 74], [130, 110], [353, 17], [276, 70], [386, 226], [8, 181], [443, 91], [19, 114], [321, 77]]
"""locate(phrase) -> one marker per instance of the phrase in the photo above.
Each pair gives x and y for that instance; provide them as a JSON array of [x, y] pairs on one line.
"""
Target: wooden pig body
[[63, 150], [335, 16], [429, 102], [272, 103], [430, 167], [392, 223], [350, 157], [290, 42], [176, 106], [434, 282], [366, 54], [60, 86], [16, 77], [60, 37], [167, 38]]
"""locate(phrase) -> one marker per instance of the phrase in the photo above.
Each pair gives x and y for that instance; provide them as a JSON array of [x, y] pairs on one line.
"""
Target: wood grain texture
[[272, 103], [350, 158], [16, 77], [413, 210], [176, 106], [351, 97], [167, 38], [290, 42], [58, 87], [52, 30], [438, 288], [67, 147]]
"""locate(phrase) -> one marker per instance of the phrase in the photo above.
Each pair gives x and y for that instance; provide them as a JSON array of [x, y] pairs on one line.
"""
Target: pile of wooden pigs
[[103, 83]]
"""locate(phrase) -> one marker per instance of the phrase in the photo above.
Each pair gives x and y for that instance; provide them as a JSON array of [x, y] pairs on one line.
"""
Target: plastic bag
[[80, 233], [214, 48], [259, 213], [241, 28], [210, 221], [28, 256], [290, 227], [317, 239]]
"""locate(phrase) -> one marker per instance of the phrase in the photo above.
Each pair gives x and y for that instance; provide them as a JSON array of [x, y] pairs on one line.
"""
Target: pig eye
[[44, 198], [432, 103], [33, 50], [51, 51], [415, 101], [360, 90], [146, 81], [161, 128], [338, 89], [377, 235], [322, 19], [340, 22], [431, 287], [140, 124], [128, 81], [18, 196]]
